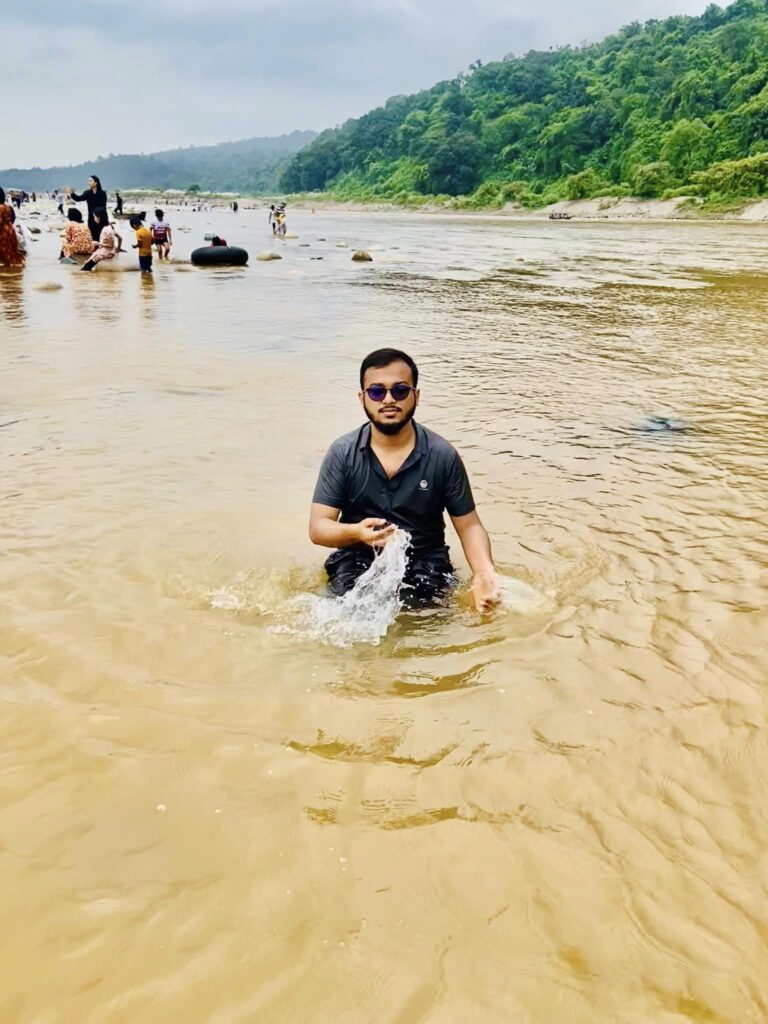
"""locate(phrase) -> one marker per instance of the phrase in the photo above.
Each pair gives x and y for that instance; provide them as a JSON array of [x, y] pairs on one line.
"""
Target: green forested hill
[[654, 109], [251, 165]]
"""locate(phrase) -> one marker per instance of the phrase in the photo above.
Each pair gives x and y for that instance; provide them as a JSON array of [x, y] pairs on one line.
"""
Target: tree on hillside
[[654, 104]]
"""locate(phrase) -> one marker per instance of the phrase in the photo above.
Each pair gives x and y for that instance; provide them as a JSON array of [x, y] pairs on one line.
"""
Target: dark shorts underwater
[[428, 580]]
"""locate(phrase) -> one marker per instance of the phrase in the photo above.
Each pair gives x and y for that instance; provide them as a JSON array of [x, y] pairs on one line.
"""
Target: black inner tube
[[219, 256]]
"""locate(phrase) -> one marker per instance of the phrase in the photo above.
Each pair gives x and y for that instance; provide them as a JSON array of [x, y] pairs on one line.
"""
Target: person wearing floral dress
[[10, 254], [77, 237]]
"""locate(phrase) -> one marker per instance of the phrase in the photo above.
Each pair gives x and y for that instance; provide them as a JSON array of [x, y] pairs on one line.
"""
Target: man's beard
[[391, 429]]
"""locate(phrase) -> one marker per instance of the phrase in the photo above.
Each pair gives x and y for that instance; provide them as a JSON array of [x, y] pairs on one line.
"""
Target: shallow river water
[[555, 815]]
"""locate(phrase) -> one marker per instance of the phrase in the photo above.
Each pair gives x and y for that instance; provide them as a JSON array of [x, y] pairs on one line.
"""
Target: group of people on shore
[[19, 196]]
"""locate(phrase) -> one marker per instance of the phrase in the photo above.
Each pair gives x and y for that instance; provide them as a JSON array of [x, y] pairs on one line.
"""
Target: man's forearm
[[477, 549], [330, 534]]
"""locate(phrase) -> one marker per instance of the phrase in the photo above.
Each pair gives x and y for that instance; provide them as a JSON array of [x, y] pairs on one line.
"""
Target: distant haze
[[90, 77], [251, 165]]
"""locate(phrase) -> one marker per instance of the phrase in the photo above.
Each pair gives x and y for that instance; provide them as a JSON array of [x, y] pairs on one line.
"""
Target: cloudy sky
[[89, 77]]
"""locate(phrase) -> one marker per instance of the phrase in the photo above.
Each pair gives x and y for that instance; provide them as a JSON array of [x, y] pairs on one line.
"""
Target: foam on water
[[365, 613], [361, 616], [521, 597]]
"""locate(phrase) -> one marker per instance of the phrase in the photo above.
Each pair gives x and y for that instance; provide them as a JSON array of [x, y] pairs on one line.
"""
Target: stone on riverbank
[[266, 256]]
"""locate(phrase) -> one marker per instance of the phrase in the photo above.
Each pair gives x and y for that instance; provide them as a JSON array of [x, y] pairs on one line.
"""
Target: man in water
[[393, 473]]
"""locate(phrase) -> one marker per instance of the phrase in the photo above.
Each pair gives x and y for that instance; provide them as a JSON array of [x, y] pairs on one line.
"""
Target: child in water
[[161, 235], [143, 244]]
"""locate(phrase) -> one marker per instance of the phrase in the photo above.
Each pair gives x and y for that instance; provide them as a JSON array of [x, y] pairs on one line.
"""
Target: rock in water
[[342, 245], [265, 257], [33, 229], [361, 256], [48, 286]]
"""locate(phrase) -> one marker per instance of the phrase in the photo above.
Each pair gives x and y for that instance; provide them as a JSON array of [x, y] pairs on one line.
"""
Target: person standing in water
[[10, 253], [161, 235], [96, 199], [393, 473], [118, 204], [109, 240], [143, 244], [282, 226]]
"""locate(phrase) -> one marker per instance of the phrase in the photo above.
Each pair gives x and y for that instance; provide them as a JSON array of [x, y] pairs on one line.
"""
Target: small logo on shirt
[[423, 485]]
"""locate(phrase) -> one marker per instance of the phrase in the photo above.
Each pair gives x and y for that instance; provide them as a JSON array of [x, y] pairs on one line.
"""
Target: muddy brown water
[[552, 815]]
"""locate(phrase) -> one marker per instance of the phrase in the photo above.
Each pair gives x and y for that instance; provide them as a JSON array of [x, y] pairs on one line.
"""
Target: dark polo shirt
[[431, 480]]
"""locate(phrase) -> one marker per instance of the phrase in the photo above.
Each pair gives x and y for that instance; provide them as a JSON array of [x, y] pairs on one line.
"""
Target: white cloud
[[88, 78]]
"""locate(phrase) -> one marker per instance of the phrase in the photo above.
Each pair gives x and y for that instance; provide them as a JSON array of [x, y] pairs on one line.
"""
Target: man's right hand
[[375, 532]]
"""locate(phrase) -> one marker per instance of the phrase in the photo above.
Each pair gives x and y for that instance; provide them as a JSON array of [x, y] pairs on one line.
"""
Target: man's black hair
[[383, 357]]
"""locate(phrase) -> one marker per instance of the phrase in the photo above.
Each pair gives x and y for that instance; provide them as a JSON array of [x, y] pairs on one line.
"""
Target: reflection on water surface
[[553, 814]]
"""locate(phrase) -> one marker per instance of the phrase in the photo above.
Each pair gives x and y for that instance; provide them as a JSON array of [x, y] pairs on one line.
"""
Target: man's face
[[389, 416]]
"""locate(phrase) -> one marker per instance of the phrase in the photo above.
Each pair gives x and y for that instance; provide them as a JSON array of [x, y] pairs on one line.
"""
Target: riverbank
[[607, 208]]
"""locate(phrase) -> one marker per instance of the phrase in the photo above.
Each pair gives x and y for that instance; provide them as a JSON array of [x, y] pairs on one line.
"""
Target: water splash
[[361, 616], [365, 613]]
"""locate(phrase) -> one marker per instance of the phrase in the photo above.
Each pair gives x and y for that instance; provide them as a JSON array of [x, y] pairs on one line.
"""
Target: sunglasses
[[399, 392]]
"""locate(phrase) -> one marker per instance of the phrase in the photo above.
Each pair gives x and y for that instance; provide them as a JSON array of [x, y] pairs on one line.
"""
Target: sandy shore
[[607, 209]]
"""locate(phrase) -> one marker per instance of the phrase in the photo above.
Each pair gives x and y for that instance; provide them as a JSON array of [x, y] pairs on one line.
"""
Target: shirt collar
[[421, 446]]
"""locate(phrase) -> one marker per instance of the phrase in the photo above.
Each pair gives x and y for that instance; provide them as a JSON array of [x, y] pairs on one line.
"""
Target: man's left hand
[[485, 591]]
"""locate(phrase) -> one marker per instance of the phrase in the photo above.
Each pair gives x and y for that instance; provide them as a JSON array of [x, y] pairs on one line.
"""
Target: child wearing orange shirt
[[143, 244]]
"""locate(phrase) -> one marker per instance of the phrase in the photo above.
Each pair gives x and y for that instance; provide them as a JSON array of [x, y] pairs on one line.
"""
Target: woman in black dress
[[96, 199]]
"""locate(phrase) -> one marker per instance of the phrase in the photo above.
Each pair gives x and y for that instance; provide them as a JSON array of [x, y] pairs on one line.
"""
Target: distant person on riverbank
[[161, 235], [143, 244], [272, 219], [118, 204], [77, 238], [60, 198], [10, 253], [109, 240], [393, 473], [96, 199]]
